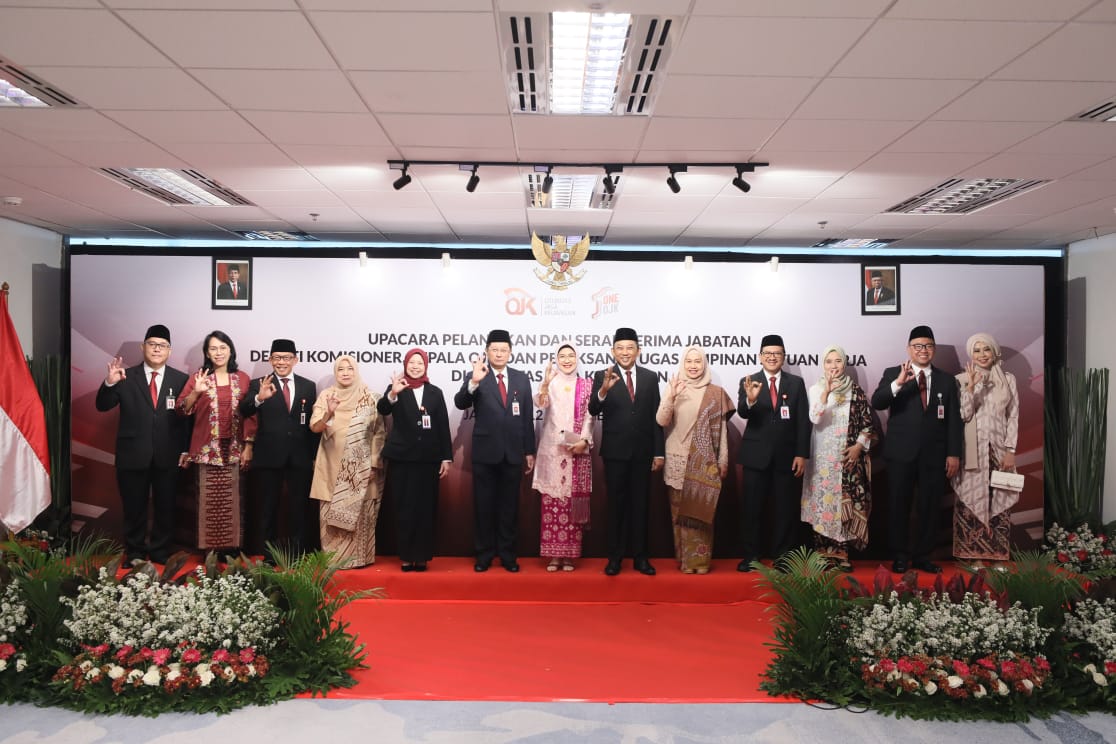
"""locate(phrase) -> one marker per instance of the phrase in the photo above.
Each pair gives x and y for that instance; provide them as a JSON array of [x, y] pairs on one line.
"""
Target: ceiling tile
[[695, 135], [410, 41], [964, 136], [1076, 52], [306, 128], [406, 130], [63, 125], [283, 90], [852, 136], [452, 92], [731, 96], [565, 132], [209, 155], [1073, 136], [991, 10], [148, 88], [199, 126], [792, 8], [879, 98], [62, 37], [119, 154], [1025, 100]]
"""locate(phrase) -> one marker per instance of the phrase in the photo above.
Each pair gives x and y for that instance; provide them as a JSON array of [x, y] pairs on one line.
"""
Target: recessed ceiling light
[[177, 186], [586, 52], [276, 235], [854, 243], [960, 196], [10, 95]]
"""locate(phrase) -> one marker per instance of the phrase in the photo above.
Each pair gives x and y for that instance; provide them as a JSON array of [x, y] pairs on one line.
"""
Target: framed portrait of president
[[879, 289], [232, 284]]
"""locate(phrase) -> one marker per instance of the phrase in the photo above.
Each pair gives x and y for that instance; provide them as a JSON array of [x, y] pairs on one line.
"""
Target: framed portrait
[[879, 289], [232, 284]]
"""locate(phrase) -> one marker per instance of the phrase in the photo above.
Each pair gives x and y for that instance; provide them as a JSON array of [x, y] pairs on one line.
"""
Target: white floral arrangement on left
[[13, 620]]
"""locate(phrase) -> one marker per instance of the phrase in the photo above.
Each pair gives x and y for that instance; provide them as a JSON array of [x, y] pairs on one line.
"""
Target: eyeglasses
[[922, 347], [156, 345], [775, 354], [283, 357]]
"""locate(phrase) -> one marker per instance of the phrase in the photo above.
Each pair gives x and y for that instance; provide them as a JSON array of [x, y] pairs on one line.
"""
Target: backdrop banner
[[332, 306]]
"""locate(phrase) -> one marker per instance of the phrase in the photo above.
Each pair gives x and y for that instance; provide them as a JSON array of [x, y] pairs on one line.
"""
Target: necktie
[[287, 392], [234, 291], [774, 394], [503, 388], [154, 389], [876, 298], [631, 387], [922, 387]]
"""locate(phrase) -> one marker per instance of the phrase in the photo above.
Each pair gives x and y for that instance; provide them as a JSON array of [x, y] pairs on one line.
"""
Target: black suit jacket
[[628, 428], [887, 297], [912, 432], [147, 435], [281, 435], [498, 435], [224, 291], [769, 440], [408, 441]]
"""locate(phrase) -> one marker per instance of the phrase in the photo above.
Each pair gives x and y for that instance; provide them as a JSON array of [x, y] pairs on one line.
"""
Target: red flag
[[24, 458]]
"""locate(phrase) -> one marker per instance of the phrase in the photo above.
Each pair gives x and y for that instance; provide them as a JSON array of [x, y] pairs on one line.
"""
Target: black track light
[[608, 183], [673, 182], [739, 181], [548, 182], [473, 181], [403, 179]]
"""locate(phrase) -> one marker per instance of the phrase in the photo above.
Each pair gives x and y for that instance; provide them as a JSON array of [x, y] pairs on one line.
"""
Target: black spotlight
[[473, 181], [608, 183], [740, 183], [673, 182], [402, 181], [548, 182]]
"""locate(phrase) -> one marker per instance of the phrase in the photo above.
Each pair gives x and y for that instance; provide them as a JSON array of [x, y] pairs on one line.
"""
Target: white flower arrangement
[[13, 613], [1079, 550], [225, 612], [1093, 624]]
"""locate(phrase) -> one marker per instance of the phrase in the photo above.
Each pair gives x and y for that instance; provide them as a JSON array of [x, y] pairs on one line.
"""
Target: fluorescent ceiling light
[[572, 192], [586, 52], [854, 243], [958, 196], [10, 95], [280, 235], [172, 181]]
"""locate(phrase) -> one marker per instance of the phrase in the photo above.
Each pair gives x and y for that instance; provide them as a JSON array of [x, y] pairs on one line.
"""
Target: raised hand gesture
[[975, 375], [201, 382], [751, 389], [677, 385], [332, 402], [116, 371], [905, 374], [480, 369], [610, 379], [549, 372], [267, 388], [398, 384]]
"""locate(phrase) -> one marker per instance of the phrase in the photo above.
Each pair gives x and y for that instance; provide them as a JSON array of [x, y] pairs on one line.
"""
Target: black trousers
[[781, 493], [496, 510], [921, 483], [414, 487], [295, 503], [135, 486], [628, 484]]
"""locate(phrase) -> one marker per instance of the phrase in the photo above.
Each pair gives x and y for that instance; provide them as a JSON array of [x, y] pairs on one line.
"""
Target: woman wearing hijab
[[217, 444], [348, 473], [836, 492], [990, 410], [563, 465], [694, 415], [419, 451]]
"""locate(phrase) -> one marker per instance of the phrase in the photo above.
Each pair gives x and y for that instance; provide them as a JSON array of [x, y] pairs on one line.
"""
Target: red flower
[[905, 666], [1063, 557], [1009, 669], [886, 665], [1073, 537], [1082, 555], [124, 652], [161, 656], [247, 654], [1103, 538], [191, 656], [221, 655], [987, 663], [1042, 664], [961, 668], [7, 650], [1110, 667], [146, 653]]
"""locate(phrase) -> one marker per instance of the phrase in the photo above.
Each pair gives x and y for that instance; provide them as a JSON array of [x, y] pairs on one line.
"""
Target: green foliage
[[810, 661], [1036, 580], [1076, 416]]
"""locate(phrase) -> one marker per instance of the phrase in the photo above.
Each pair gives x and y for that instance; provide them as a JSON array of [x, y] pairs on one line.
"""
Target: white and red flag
[[24, 458]]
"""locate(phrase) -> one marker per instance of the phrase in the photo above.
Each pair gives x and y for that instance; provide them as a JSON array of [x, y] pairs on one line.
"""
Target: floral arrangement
[[1080, 550], [13, 622], [923, 675]]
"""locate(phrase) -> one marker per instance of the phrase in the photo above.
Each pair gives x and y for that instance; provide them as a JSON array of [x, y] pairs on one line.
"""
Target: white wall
[[21, 247], [1092, 263]]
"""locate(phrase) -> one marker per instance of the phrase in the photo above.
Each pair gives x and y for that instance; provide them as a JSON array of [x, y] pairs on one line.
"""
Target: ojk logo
[[606, 301], [518, 302]]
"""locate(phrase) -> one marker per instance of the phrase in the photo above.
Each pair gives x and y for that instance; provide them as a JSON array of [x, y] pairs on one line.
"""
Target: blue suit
[[503, 435]]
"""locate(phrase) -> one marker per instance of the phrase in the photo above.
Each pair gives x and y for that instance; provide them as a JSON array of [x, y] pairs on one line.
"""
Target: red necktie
[[876, 299], [287, 392], [154, 390], [631, 387], [234, 291], [774, 395], [503, 389], [922, 387]]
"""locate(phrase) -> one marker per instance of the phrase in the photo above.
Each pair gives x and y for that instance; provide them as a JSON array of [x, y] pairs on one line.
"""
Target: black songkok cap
[[772, 339], [876, 275], [283, 345], [498, 336], [922, 331], [158, 331], [625, 334]]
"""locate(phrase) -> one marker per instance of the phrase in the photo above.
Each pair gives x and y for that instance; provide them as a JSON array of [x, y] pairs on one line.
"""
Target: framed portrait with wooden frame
[[232, 284], [879, 289]]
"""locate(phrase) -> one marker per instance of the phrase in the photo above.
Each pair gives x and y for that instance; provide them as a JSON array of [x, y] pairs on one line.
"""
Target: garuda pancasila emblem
[[558, 261]]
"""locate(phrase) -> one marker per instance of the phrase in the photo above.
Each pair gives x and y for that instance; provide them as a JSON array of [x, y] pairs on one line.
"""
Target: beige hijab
[[997, 396], [688, 402]]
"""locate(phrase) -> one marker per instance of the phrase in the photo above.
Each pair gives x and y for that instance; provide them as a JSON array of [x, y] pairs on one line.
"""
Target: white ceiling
[[298, 104]]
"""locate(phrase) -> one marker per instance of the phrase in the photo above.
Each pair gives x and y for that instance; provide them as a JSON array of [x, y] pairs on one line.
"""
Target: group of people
[[804, 453]]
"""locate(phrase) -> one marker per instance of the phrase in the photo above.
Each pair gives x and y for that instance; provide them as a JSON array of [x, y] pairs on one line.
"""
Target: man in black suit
[[878, 294], [503, 448], [631, 447], [922, 447], [233, 289], [150, 437], [283, 450], [773, 451]]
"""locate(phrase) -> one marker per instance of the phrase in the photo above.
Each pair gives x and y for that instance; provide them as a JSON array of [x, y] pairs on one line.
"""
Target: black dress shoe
[[645, 568], [745, 566], [160, 558], [512, 567], [612, 568], [407, 567], [925, 565], [418, 567], [899, 566], [480, 566]]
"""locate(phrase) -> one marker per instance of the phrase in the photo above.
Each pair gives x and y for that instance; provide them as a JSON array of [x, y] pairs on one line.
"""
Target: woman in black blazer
[[419, 452]]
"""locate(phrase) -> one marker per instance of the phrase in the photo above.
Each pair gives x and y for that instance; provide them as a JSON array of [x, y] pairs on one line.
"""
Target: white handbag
[[1007, 481]]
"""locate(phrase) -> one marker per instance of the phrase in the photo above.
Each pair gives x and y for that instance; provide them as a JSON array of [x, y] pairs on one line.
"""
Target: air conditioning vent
[[47, 94], [570, 192], [960, 196], [177, 186]]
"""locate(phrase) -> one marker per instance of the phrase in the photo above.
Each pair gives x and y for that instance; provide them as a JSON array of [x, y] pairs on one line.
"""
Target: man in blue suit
[[503, 448], [925, 437]]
